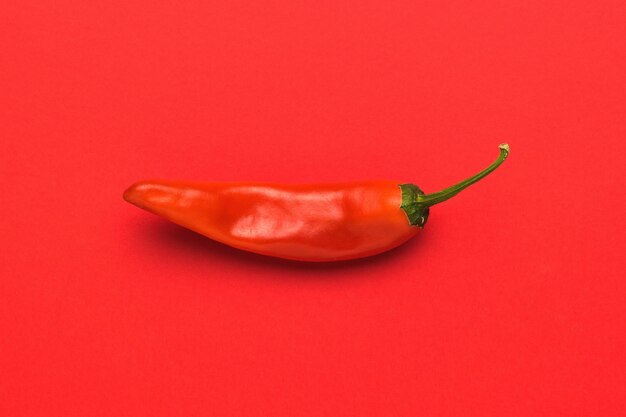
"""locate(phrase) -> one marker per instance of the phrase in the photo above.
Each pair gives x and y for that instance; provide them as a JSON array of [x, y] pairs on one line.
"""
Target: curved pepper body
[[319, 222]]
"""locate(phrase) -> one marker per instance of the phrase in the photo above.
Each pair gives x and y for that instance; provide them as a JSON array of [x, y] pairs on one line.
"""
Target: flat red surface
[[512, 302]]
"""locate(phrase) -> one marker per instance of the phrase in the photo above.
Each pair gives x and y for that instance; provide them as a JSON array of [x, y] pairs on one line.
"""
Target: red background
[[511, 303]]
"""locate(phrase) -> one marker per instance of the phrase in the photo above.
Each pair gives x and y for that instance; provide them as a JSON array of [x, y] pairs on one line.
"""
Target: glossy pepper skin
[[315, 222]]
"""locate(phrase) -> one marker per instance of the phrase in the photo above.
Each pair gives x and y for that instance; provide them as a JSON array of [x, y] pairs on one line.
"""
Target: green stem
[[416, 204], [430, 200]]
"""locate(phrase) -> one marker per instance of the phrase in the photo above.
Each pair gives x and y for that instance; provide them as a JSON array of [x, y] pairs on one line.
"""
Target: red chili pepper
[[327, 222]]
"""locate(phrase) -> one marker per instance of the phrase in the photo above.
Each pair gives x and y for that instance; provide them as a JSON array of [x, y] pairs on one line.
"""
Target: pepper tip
[[131, 194]]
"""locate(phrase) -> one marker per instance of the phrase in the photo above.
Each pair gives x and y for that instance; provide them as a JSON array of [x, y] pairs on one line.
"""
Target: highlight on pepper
[[312, 222]]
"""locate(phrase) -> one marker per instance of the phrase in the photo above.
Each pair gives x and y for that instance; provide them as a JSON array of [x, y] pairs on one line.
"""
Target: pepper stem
[[430, 200], [416, 204]]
